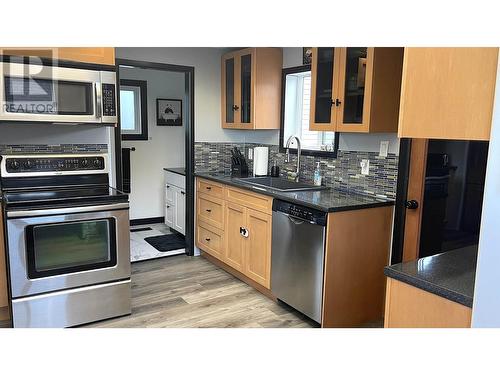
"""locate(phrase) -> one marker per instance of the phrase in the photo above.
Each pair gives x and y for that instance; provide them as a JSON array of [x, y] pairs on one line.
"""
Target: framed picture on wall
[[168, 112]]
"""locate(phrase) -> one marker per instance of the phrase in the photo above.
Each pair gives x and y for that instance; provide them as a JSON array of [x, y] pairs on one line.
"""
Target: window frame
[[319, 153], [142, 85]]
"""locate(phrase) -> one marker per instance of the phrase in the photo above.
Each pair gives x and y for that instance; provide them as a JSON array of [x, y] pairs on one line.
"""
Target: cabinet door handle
[[244, 232], [207, 239], [208, 210], [168, 206], [337, 102], [235, 107], [183, 193], [168, 186], [208, 188], [411, 204]]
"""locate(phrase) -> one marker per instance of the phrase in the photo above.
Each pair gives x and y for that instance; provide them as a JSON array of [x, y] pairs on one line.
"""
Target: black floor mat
[[167, 242]]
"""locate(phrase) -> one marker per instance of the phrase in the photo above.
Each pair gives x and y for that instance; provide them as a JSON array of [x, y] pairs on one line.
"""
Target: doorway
[[439, 197], [161, 135]]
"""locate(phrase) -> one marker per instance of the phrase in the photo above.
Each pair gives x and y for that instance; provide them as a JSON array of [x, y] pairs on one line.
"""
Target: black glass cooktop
[[63, 196]]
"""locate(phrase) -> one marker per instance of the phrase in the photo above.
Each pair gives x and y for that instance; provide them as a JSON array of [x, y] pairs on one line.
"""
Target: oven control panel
[[35, 164]]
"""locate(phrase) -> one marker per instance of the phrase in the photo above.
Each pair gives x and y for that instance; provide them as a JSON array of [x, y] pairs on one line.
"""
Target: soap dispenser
[[317, 175]]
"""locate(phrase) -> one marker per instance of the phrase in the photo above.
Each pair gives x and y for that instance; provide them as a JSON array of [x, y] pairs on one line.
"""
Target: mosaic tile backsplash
[[343, 173], [53, 149]]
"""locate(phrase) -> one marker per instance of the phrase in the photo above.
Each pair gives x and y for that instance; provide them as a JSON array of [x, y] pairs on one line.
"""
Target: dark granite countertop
[[329, 200], [180, 170], [450, 275]]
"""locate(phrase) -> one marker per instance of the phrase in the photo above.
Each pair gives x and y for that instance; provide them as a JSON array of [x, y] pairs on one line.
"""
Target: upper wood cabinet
[[355, 89], [251, 88], [94, 55], [447, 93]]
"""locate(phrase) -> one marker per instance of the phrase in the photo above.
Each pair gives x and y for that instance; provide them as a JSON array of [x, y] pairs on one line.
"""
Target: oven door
[[65, 248], [49, 94]]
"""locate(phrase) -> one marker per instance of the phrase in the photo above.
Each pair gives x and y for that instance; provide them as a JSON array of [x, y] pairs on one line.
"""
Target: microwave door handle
[[98, 100]]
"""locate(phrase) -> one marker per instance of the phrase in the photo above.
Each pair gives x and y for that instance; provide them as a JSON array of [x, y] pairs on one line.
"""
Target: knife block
[[239, 170]]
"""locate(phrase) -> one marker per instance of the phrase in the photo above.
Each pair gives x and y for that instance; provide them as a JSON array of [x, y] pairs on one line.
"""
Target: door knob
[[411, 204]]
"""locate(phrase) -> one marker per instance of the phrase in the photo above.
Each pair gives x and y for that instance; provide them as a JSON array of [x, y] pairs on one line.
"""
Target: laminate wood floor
[[184, 291]]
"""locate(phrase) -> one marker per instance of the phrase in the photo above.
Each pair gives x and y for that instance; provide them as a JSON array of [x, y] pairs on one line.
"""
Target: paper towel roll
[[260, 160]]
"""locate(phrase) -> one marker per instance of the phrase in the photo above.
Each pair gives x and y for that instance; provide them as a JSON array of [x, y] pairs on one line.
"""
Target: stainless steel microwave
[[37, 92]]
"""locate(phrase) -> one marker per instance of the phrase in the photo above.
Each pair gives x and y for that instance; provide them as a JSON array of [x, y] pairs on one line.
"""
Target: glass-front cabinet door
[[238, 89], [323, 92], [354, 89], [229, 105], [246, 88]]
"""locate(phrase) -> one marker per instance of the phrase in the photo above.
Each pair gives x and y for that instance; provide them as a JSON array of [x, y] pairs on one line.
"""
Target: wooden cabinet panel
[[210, 188], [248, 199], [447, 93], [94, 55], [234, 241], [357, 250], [258, 247], [210, 210], [4, 301], [210, 239], [410, 307], [251, 88]]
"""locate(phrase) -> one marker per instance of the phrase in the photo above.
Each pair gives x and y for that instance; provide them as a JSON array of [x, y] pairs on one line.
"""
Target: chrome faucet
[[287, 158]]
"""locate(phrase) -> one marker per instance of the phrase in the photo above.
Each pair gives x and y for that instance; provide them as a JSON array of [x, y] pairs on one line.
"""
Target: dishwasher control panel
[[300, 212]]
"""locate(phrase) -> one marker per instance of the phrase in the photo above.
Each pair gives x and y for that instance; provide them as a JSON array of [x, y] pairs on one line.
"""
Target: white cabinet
[[175, 201], [179, 210]]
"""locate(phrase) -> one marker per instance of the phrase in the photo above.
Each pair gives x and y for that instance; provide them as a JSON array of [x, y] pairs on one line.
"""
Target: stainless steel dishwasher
[[298, 252]]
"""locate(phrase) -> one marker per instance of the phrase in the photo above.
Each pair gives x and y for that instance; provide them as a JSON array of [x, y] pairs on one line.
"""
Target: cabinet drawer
[[211, 188], [210, 210], [248, 199], [210, 239]]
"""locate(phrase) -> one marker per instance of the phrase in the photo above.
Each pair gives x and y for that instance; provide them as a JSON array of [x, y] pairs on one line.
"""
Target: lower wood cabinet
[[409, 307], [235, 242], [258, 247], [241, 237]]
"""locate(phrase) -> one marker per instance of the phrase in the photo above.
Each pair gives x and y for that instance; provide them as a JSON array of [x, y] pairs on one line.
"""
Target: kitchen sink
[[279, 184]]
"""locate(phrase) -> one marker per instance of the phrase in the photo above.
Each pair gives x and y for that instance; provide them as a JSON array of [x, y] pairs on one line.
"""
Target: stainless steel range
[[67, 238]]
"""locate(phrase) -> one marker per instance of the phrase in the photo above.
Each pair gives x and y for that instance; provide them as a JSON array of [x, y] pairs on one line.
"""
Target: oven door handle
[[67, 210]]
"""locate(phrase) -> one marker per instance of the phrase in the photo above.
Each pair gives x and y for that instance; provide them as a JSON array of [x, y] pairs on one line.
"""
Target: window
[[296, 102], [133, 110]]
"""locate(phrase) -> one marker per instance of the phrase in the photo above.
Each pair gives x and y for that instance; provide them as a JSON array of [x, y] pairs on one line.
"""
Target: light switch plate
[[384, 148], [250, 154], [365, 167]]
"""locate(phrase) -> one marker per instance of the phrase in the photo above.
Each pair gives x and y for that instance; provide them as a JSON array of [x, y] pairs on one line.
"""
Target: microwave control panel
[[108, 99]]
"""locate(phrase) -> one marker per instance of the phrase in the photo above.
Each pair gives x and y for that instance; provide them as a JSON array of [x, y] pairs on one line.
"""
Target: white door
[[169, 214], [180, 210], [169, 193]]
